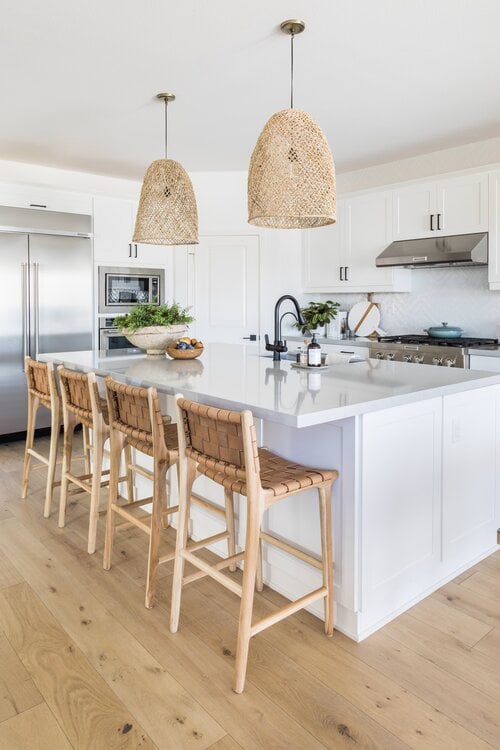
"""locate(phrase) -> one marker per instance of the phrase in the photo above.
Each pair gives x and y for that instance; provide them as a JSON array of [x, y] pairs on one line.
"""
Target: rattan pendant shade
[[167, 213], [291, 180]]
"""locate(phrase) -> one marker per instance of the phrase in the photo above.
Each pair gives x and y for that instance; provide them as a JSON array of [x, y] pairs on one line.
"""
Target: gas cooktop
[[420, 339]]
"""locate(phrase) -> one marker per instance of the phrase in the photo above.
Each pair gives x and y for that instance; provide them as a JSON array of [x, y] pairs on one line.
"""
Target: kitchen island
[[416, 447]]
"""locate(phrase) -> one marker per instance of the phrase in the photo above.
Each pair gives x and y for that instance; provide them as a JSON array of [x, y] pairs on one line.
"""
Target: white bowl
[[156, 339]]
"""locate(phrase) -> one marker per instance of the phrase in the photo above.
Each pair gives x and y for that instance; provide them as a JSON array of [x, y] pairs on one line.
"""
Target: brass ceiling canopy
[[291, 178], [167, 213]]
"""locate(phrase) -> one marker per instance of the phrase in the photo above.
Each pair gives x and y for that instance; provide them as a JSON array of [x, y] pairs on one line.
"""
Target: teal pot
[[444, 331]]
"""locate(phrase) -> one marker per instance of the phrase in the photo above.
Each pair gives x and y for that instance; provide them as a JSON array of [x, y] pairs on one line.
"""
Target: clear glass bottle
[[314, 353]]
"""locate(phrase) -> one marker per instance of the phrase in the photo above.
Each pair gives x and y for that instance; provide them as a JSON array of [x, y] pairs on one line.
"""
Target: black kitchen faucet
[[279, 346]]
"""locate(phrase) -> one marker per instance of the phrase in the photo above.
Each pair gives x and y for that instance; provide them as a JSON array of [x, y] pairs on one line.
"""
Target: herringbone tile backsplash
[[459, 296]]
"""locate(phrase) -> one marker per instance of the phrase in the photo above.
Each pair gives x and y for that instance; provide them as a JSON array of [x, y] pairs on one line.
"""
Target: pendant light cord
[[166, 127], [291, 70]]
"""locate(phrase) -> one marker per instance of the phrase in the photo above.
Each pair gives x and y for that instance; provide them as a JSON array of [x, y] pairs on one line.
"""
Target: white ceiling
[[385, 79]]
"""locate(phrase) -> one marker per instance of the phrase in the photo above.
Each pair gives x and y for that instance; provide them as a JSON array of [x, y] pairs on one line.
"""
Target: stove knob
[[407, 358], [419, 359], [437, 360], [379, 355], [449, 362], [389, 355]]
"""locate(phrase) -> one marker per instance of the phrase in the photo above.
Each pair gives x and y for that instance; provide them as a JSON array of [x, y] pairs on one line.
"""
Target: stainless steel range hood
[[432, 252]]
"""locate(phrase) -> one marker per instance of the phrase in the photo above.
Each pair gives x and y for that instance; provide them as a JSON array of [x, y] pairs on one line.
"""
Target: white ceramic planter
[[156, 339]]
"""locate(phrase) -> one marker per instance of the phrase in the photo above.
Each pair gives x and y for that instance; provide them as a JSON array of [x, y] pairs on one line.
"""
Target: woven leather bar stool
[[222, 445], [136, 421], [42, 391], [82, 404]]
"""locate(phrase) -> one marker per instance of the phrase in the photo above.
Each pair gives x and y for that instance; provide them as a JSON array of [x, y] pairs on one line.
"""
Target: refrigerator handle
[[36, 306], [25, 310]]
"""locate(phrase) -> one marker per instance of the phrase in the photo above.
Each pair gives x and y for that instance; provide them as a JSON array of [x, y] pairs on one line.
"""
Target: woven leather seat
[[143, 442], [277, 475], [42, 391], [222, 445]]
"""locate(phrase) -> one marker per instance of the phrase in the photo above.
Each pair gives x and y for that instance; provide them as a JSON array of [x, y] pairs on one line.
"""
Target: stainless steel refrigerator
[[45, 298]]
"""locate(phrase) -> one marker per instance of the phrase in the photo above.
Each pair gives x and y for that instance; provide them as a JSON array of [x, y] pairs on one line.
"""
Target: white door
[[113, 230], [367, 233], [462, 205], [414, 208], [225, 287]]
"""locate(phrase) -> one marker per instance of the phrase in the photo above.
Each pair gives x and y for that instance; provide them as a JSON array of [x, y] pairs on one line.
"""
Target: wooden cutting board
[[364, 319]]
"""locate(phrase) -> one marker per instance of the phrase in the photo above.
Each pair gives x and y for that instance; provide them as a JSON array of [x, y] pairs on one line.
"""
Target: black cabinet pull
[[129, 249], [346, 269], [439, 221], [341, 272], [432, 222], [37, 205], [135, 256]]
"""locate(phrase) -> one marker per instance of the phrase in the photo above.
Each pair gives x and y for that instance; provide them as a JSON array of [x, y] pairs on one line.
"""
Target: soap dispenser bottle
[[314, 353]]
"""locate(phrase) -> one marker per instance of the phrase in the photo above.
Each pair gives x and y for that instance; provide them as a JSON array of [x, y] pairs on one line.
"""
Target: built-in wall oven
[[122, 288]]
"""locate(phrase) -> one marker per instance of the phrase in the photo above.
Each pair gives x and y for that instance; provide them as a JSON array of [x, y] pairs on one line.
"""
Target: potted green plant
[[318, 315], [154, 327]]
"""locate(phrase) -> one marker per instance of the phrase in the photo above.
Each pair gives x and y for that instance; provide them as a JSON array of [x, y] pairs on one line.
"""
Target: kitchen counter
[[416, 449], [485, 351], [238, 377], [355, 341]]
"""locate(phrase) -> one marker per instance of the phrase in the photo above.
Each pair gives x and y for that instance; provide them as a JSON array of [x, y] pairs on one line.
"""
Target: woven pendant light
[[291, 179], [167, 213]]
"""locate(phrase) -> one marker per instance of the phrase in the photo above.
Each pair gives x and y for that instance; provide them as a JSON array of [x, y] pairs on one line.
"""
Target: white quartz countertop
[[485, 351], [236, 376]]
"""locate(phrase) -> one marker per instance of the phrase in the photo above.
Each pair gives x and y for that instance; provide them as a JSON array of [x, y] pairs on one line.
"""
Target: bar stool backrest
[[136, 412], [222, 442], [80, 394], [41, 380]]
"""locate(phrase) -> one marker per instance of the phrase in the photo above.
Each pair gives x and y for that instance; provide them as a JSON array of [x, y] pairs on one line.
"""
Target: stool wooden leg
[[231, 543], [86, 449], [128, 473], [187, 472], [33, 404], [325, 510], [97, 458], [116, 446], [251, 559], [69, 429], [159, 495], [55, 423], [259, 581]]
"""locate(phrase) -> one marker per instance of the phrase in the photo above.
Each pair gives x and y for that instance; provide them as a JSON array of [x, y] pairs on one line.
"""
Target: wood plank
[[35, 729], [484, 582], [226, 743], [17, 690], [490, 646], [455, 698], [84, 705], [401, 713], [166, 711], [471, 602], [9, 575], [463, 627], [468, 664]]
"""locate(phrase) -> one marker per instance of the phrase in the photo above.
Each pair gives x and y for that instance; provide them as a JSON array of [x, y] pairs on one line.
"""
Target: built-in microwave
[[112, 339], [122, 288]]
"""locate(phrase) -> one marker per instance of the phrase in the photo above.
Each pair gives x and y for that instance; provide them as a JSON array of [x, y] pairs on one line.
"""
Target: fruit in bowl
[[185, 348]]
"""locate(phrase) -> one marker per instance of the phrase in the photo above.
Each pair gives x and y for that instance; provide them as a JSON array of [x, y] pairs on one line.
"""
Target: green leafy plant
[[142, 316], [317, 314]]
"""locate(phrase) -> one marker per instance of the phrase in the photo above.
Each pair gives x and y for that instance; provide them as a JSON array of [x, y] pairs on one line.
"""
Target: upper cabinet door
[[113, 230], [323, 261], [414, 211], [462, 205], [367, 233]]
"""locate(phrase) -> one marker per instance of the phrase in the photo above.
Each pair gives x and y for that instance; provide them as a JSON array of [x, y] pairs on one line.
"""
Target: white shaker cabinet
[[494, 234], [456, 205], [27, 196], [114, 221], [341, 258]]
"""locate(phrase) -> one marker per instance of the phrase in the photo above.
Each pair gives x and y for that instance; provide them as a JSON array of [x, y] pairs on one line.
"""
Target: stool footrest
[[38, 456], [212, 571], [170, 509], [166, 558], [141, 470], [288, 609], [213, 507], [218, 566], [207, 541], [304, 556], [121, 510]]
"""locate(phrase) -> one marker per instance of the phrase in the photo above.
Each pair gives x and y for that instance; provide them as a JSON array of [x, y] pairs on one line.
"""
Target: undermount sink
[[284, 355]]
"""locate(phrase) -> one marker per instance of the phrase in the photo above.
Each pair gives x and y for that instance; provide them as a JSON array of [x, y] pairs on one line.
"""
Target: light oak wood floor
[[84, 665]]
